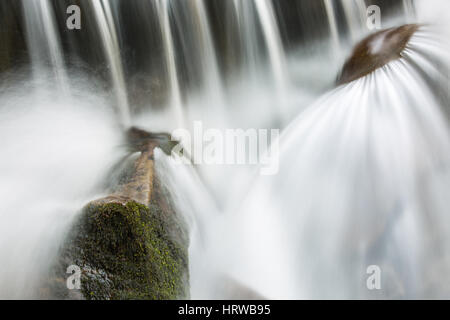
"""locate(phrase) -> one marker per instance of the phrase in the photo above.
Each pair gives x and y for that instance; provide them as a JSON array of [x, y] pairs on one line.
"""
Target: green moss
[[125, 253]]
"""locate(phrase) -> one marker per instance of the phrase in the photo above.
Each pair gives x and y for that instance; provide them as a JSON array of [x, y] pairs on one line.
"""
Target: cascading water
[[213, 86], [363, 172], [358, 200], [355, 14], [362, 182], [169, 53], [264, 64], [409, 9], [274, 45], [247, 25], [332, 24], [43, 39], [56, 150], [106, 26]]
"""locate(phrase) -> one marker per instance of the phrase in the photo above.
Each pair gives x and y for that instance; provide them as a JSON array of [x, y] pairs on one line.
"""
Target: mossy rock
[[125, 251], [130, 245]]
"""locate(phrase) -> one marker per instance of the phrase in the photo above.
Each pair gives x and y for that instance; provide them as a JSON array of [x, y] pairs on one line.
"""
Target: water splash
[[56, 149], [350, 193], [364, 180]]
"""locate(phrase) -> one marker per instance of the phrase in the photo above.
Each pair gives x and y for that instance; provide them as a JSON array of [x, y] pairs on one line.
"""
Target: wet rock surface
[[129, 245], [375, 51]]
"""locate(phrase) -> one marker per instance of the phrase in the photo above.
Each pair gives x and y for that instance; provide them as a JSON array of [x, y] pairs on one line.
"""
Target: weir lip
[[375, 51]]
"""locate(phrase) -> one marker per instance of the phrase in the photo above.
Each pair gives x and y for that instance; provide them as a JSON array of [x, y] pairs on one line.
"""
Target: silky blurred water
[[56, 151], [363, 176]]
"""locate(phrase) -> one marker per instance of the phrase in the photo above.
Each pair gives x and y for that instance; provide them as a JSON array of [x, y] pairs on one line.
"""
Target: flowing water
[[363, 171], [55, 153], [332, 22], [106, 26], [43, 41], [362, 182], [169, 54], [274, 45], [247, 22]]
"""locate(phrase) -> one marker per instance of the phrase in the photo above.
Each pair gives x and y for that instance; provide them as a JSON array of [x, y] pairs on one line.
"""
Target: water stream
[[364, 170]]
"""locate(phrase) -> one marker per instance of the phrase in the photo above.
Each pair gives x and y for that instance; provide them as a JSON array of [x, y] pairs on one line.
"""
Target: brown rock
[[375, 51]]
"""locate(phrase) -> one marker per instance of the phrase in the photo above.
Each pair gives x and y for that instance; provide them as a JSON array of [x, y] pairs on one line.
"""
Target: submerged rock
[[375, 51], [129, 245]]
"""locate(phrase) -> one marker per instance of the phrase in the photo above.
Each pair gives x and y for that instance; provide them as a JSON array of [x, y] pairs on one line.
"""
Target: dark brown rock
[[375, 51]]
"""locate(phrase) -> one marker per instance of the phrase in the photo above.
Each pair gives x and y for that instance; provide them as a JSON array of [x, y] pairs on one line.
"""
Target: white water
[[356, 16], [55, 152], [275, 49], [364, 180], [409, 10], [200, 211], [163, 9], [43, 41], [213, 81], [334, 38], [246, 19], [363, 177], [107, 29]]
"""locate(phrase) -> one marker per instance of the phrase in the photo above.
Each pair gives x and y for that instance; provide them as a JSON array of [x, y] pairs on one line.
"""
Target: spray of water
[[364, 179], [56, 150]]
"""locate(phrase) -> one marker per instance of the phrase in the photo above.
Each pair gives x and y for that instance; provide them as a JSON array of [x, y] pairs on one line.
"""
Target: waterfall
[[364, 166], [355, 18], [208, 53], [107, 29], [43, 41], [247, 26], [332, 22], [163, 9], [274, 45], [199, 209], [386, 141], [355, 15], [409, 9], [55, 152], [363, 180]]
